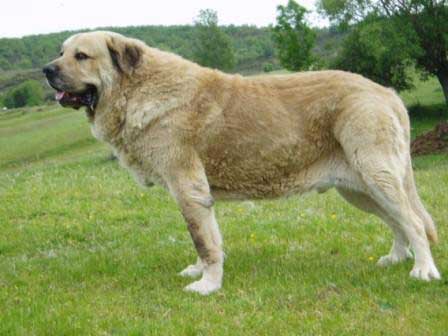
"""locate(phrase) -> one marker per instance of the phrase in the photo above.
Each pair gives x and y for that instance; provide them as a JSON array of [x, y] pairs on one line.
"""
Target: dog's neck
[[108, 117], [133, 101]]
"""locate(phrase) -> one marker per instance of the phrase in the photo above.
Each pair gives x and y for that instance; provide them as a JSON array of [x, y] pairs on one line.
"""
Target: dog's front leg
[[192, 193]]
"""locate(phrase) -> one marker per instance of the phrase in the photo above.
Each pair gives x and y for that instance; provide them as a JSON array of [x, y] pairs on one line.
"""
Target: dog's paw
[[426, 272], [203, 287], [192, 271], [394, 258]]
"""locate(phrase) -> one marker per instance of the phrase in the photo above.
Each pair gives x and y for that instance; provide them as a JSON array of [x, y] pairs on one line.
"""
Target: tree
[[29, 93], [378, 51], [423, 22], [213, 47], [293, 37]]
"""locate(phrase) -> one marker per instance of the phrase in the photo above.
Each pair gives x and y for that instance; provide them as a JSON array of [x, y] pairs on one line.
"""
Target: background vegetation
[[391, 35], [28, 93], [251, 44], [293, 37], [212, 46]]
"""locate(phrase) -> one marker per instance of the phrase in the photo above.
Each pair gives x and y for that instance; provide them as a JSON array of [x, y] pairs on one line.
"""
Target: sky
[[30, 17]]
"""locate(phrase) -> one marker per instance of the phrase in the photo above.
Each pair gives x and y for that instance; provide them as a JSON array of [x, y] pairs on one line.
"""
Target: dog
[[205, 135]]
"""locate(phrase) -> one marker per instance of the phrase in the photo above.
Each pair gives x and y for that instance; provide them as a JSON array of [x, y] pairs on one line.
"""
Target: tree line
[[250, 44]]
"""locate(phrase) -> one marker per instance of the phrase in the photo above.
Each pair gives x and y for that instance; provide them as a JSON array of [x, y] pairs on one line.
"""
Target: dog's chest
[[142, 170]]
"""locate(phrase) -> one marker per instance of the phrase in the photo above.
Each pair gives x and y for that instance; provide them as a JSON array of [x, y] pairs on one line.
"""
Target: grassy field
[[85, 251]]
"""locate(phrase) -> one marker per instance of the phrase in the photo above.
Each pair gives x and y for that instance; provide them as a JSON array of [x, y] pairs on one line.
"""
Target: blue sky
[[28, 17]]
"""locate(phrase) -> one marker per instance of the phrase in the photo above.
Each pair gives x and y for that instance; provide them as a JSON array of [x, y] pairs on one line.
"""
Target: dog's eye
[[81, 56], [61, 53]]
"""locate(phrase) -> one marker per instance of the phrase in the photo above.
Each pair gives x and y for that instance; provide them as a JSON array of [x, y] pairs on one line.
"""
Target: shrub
[[29, 93], [268, 67]]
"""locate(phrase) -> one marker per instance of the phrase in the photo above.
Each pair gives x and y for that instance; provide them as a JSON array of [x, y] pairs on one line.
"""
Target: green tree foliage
[[268, 67], [29, 93], [423, 23], [293, 37], [212, 46], [377, 50]]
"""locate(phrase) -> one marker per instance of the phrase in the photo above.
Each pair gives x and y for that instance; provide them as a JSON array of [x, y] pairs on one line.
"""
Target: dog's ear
[[125, 54]]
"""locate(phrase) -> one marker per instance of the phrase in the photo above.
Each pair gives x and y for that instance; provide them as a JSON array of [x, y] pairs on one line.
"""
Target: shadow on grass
[[434, 112], [45, 154]]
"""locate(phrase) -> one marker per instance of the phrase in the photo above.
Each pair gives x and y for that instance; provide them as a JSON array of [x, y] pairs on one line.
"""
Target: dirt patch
[[432, 142]]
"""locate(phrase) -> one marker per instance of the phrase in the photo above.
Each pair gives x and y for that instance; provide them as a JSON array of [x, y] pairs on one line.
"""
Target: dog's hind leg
[[386, 188], [411, 190], [376, 144], [191, 190], [400, 247]]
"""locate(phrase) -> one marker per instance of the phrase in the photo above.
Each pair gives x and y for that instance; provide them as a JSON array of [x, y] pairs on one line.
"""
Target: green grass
[[426, 105], [426, 93], [85, 251], [44, 135]]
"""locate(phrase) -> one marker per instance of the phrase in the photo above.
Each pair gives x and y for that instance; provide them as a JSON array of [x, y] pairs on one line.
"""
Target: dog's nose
[[50, 70]]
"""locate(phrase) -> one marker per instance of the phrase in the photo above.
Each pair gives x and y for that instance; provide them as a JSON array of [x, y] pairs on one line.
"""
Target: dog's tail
[[430, 227], [409, 180]]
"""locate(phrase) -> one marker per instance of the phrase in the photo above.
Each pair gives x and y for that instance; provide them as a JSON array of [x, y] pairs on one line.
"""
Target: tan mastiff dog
[[206, 135]]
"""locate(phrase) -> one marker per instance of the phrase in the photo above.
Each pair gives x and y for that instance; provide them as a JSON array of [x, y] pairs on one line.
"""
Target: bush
[[29, 93], [268, 67]]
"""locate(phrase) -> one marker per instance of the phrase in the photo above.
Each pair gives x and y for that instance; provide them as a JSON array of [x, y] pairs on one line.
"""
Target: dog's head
[[89, 65]]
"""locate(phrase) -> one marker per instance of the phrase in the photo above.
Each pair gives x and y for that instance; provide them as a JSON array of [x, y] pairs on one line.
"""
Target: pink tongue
[[59, 95]]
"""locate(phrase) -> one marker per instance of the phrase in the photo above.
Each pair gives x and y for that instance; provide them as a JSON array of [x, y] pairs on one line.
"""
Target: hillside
[[253, 46], [250, 43]]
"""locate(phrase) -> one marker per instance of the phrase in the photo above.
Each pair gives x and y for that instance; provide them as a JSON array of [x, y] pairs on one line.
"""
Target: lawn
[[85, 251]]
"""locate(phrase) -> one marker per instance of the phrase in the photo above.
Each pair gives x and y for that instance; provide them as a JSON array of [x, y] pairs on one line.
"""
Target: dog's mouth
[[88, 98]]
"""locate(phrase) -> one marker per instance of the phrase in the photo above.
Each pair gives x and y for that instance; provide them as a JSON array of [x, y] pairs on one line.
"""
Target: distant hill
[[252, 45], [22, 58]]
